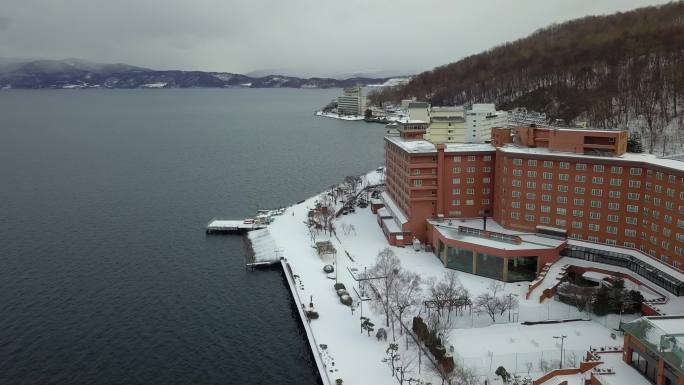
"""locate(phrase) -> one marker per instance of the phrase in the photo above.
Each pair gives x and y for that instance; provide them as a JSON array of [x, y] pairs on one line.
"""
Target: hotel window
[[517, 172], [564, 165], [529, 206], [630, 245], [670, 192], [471, 158], [613, 206], [515, 205], [580, 178], [631, 220], [547, 186], [416, 172], [487, 158], [418, 182], [531, 196], [517, 162], [579, 190], [486, 190], [668, 219], [532, 163], [546, 198], [667, 232], [594, 227], [630, 233], [515, 194], [671, 178], [633, 208], [659, 175], [581, 167], [611, 229], [529, 217], [470, 191], [595, 204], [669, 205], [485, 201], [544, 220], [562, 188], [616, 170], [548, 164], [470, 202], [486, 169], [594, 215], [576, 225], [681, 209], [560, 211], [666, 246], [592, 238], [455, 202], [515, 215], [597, 180], [486, 180], [470, 169], [613, 218], [560, 222], [614, 194], [611, 242], [656, 201], [680, 223], [659, 189], [633, 196], [545, 209], [615, 182], [531, 184], [547, 175], [563, 177], [577, 213], [678, 250], [456, 191], [679, 237], [561, 199], [598, 168], [457, 159], [531, 174], [634, 171], [457, 170], [597, 192], [578, 202]]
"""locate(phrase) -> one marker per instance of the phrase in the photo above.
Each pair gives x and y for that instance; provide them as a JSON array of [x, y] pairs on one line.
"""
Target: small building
[[654, 346]]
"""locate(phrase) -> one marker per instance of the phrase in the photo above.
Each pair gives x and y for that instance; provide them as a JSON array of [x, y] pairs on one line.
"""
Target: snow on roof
[[670, 325], [391, 225], [384, 213], [424, 146], [393, 209], [671, 163], [530, 241], [410, 121], [631, 252]]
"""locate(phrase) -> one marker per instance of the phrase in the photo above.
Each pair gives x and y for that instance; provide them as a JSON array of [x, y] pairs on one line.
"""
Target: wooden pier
[[217, 226]]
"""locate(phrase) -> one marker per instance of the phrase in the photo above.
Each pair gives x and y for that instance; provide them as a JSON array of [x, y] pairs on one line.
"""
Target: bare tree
[[407, 294], [387, 269], [489, 302]]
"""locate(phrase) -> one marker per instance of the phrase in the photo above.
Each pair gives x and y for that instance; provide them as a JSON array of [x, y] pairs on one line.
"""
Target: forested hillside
[[623, 70]]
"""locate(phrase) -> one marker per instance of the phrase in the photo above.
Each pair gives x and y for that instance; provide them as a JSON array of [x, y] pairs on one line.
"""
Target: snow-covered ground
[[479, 343]]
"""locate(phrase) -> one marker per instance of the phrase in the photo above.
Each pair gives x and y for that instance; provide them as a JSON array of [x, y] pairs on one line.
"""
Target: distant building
[[447, 125], [480, 120], [453, 124], [352, 101]]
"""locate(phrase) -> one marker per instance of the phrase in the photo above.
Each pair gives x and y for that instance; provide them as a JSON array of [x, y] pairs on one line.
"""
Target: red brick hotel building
[[505, 209]]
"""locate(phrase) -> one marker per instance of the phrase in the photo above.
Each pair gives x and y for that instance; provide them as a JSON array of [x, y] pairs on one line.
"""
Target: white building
[[480, 120], [447, 125], [352, 101]]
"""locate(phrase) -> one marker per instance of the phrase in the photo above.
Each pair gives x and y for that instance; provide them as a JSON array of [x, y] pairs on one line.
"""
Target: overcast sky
[[305, 37]]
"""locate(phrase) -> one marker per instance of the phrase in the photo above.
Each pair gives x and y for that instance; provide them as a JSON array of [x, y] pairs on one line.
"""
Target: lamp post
[[562, 338]]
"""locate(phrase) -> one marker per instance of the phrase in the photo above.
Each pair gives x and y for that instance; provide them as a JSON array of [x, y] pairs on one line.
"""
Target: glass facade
[[459, 259], [489, 266], [521, 269], [642, 268]]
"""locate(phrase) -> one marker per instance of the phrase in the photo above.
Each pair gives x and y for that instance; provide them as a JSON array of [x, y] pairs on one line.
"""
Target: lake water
[[106, 274]]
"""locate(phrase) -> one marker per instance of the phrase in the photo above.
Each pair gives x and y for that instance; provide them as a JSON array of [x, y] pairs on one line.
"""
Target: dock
[[232, 226]]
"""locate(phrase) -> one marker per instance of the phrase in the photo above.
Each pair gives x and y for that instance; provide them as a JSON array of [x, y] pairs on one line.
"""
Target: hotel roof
[[423, 146], [668, 162]]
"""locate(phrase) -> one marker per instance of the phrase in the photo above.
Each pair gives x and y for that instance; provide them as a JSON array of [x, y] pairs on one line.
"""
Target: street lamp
[[562, 338]]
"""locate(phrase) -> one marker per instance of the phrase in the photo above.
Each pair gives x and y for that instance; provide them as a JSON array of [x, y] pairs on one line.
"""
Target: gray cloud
[[315, 36], [4, 23]]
